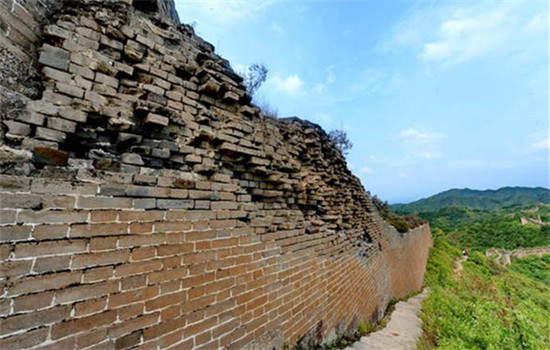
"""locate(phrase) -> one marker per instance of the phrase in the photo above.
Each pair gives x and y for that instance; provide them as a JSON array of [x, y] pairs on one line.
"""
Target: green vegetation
[[534, 267], [402, 223], [484, 306], [479, 230], [481, 200]]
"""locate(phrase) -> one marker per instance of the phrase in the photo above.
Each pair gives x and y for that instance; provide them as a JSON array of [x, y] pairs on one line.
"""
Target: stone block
[[61, 124], [82, 71], [114, 44], [43, 107], [73, 114], [71, 90], [175, 204], [56, 75], [49, 134], [131, 158], [153, 118], [54, 57], [106, 79], [16, 128]]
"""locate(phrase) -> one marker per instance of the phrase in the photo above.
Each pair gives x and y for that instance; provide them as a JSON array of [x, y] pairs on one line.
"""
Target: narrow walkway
[[458, 264], [402, 330]]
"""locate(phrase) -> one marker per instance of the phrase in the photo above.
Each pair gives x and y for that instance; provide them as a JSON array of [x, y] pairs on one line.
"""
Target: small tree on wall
[[341, 141], [255, 77]]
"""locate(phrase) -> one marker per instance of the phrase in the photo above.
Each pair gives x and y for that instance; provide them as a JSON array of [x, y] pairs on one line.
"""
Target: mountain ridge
[[478, 199]]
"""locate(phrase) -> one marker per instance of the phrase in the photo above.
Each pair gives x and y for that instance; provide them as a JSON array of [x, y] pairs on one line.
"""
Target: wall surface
[[145, 202]]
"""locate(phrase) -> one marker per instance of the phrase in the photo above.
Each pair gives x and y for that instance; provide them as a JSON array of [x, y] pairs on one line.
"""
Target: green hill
[[476, 199]]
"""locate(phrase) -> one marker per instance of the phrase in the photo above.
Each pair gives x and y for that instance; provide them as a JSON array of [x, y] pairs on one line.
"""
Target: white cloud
[[467, 36], [452, 33], [418, 137], [366, 170], [538, 24], [291, 85], [429, 155], [542, 144]]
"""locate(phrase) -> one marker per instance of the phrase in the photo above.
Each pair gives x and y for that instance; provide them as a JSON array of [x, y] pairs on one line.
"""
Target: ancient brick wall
[[145, 202]]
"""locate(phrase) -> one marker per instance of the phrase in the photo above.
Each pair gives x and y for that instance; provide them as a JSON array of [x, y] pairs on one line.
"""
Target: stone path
[[402, 330], [458, 264]]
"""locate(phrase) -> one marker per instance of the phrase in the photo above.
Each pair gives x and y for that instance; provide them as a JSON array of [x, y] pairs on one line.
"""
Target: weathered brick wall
[[144, 201]]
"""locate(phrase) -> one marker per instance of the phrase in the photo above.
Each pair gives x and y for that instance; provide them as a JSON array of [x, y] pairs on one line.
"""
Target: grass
[[534, 267], [486, 306]]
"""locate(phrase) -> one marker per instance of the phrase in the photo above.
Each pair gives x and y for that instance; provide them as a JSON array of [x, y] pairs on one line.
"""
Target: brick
[[51, 216], [99, 259], [175, 204], [156, 119], [58, 202], [103, 202], [95, 97], [16, 128], [163, 328], [50, 248], [50, 156], [42, 232], [94, 337], [61, 124], [135, 268], [54, 57], [166, 300], [30, 320], [107, 80], [15, 233], [128, 341], [32, 302], [91, 230], [115, 44], [14, 183], [98, 274], [224, 205], [74, 326], [103, 243], [30, 117], [47, 282], [51, 264], [134, 282], [81, 71], [84, 292], [26, 340], [134, 296], [134, 324], [15, 268], [49, 134], [70, 90], [59, 187], [90, 306], [57, 75]]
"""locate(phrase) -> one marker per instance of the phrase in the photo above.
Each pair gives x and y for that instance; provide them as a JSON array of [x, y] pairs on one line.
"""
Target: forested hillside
[[481, 200]]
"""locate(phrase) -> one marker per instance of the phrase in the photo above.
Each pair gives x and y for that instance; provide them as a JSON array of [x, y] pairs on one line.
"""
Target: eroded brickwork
[[145, 202]]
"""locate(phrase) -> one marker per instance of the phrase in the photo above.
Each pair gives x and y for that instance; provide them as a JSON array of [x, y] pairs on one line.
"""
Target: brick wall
[[145, 201]]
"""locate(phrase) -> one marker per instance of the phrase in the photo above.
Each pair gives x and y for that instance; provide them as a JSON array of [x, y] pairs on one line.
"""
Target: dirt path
[[458, 264], [402, 330], [404, 326]]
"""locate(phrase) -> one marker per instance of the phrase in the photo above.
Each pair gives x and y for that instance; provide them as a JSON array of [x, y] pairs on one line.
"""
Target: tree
[[255, 77], [341, 141]]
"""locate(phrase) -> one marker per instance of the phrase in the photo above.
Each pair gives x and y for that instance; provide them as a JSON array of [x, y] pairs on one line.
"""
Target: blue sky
[[433, 94]]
